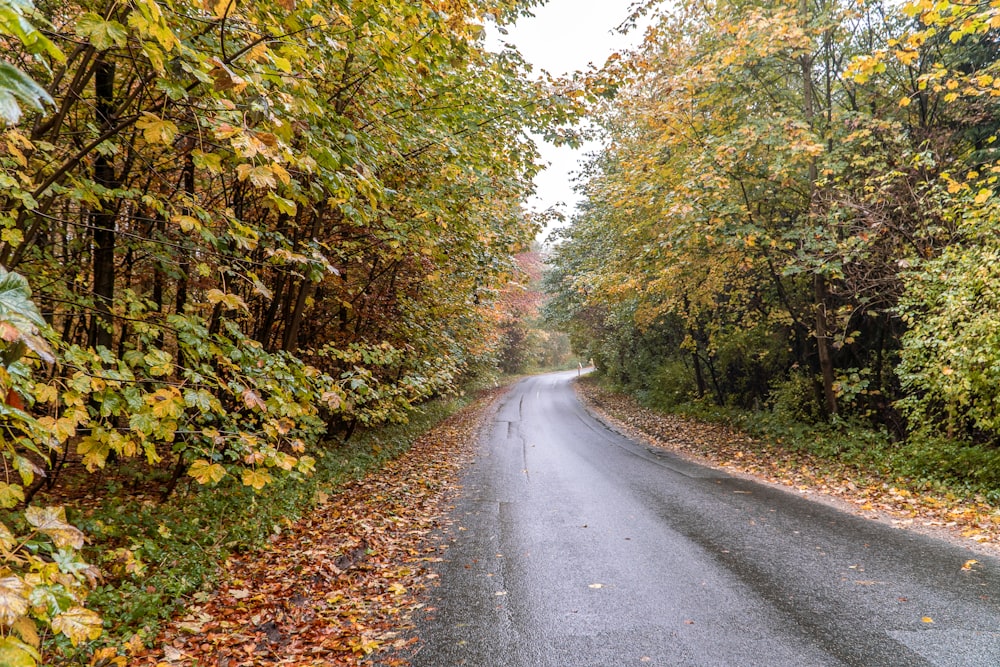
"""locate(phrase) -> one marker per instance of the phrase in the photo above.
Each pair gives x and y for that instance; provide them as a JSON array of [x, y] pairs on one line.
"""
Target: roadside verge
[[969, 522], [340, 585]]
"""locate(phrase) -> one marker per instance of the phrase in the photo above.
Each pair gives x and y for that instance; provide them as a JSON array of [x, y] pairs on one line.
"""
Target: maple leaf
[[78, 624], [13, 600], [52, 522], [156, 130], [205, 472], [256, 479]]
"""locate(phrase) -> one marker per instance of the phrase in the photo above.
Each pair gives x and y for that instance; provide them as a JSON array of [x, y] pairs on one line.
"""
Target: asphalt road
[[574, 546]]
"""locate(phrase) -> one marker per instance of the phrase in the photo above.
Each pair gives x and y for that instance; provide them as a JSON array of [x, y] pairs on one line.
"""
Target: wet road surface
[[575, 546]]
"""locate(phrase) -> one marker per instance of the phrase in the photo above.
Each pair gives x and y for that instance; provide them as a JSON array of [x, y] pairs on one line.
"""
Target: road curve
[[575, 546]]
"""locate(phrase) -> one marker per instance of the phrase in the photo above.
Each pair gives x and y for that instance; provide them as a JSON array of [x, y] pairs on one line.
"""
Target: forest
[[794, 220], [232, 234], [237, 236]]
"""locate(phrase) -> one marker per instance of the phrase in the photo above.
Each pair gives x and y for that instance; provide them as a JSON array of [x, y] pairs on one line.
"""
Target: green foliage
[[965, 468], [950, 362], [43, 580], [17, 88], [671, 386], [794, 399], [248, 226]]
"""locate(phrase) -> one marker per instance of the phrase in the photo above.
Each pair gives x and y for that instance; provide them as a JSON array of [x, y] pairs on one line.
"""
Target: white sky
[[565, 36]]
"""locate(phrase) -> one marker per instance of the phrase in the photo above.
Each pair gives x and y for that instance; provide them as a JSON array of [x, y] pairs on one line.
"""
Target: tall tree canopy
[[796, 199], [245, 225]]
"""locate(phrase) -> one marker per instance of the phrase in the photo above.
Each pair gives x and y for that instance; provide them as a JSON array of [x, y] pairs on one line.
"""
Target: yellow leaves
[[155, 130], [78, 624], [861, 69], [16, 653], [905, 102], [219, 8], [211, 162], [166, 403], [914, 9], [967, 566], [256, 479], [926, 619], [94, 451], [261, 176], [364, 645], [108, 657], [160, 362], [306, 465], [187, 223], [7, 539], [10, 495], [982, 196], [13, 600], [227, 301], [25, 628], [264, 176], [52, 522], [61, 429], [206, 473]]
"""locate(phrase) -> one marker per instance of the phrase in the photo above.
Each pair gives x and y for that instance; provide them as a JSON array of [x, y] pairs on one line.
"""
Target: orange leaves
[[337, 586]]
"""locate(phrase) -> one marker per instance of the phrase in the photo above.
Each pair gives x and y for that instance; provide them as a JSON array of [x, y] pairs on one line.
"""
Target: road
[[575, 546]]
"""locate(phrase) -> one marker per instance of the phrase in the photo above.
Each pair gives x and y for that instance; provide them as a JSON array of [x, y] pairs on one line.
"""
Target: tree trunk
[[103, 218], [819, 281], [699, 374], [823, 345]]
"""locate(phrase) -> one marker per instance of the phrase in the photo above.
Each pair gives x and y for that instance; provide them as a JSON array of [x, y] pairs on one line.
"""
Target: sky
[[565, 36]]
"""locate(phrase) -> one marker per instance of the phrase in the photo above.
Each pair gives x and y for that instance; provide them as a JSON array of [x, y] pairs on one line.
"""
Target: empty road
[[575, 546]]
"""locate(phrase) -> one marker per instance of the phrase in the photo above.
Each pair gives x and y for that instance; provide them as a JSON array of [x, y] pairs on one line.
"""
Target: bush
[[794, 399], [671, 384]]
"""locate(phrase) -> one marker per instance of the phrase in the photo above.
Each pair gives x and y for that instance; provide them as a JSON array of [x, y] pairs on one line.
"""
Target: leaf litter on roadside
[[728, 448], [339, 586]]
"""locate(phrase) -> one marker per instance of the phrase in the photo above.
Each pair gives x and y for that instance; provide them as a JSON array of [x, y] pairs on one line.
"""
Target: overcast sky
[[565, 36]]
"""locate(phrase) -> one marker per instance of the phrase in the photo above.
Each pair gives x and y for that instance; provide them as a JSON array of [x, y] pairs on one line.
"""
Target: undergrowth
[[160, 556]]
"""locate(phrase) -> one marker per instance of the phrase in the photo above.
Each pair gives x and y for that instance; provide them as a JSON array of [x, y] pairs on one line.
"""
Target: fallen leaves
[[724, 447], [340, 585]]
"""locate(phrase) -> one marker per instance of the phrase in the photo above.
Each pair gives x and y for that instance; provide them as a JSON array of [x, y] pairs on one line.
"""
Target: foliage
[[951, 352], [43, 580], [249, 228], [800, 199], [17, 88]]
